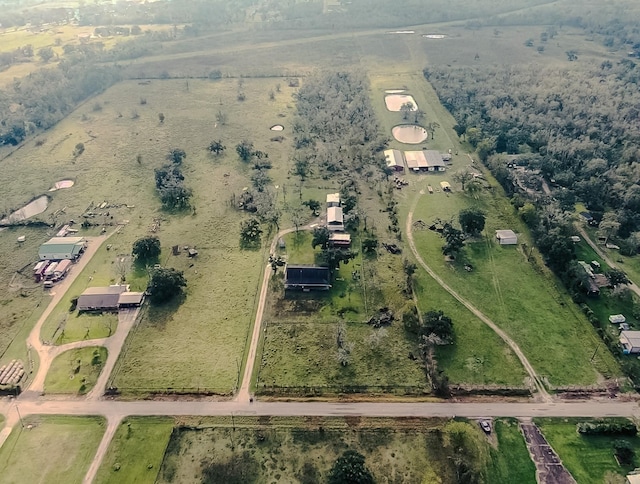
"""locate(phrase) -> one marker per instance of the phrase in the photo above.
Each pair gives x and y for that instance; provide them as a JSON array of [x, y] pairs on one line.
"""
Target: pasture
[[75, 371], [70, 444], [589, 459], [136, 451]]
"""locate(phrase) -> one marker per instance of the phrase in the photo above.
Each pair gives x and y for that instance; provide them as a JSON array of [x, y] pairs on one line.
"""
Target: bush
[[603, 427]]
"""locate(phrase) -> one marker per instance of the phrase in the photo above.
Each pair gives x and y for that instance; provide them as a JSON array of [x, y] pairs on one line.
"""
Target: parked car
[[485, 425]]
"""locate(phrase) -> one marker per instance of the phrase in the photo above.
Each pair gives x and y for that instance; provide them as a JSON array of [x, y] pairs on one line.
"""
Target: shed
[[434, 160], [59, 248], [506, 237], [335, 219], [340, 240], [394, 159], [130, 299], [101, 298], [630, 341], [333, 200], [617, 319], [306, 277], [633, 478]]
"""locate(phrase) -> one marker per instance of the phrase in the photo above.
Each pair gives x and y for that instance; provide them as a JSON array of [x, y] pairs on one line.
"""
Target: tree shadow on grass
[[159, 315]]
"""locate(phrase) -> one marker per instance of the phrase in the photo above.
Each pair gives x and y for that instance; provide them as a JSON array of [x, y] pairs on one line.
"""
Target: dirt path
[[512, 344], [632, 285], [549, 468], [112, 425], [244, 392], [47, 353]]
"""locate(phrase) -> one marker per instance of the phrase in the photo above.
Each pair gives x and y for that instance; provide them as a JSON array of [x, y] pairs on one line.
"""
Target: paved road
[[549, 468], [505, 337]]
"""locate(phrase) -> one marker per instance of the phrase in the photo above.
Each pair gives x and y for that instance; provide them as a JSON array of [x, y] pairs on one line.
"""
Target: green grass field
[[54, 449], [511, 461], [588, 459], [136, 451], [75, 371]]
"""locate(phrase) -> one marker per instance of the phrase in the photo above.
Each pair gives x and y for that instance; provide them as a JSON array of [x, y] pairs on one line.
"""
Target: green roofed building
[[61, 248]]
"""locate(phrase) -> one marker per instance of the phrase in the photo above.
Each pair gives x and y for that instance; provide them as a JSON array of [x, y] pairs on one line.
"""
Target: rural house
[[60, 248], [335, 219], [630, 341], [340, 240], [101, 298], [506, 237], [306, 277], [394, 159], [434, 160]]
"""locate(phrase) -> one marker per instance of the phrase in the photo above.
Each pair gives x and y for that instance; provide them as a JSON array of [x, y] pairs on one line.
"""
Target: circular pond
[[409, 133], [395, 101], [277, 127], [59, 185]]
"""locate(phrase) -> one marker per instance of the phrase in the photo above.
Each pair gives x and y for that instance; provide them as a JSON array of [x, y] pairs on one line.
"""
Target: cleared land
[[53, 449], [75, 371], [510, 461], [588, 458], [136, 451]]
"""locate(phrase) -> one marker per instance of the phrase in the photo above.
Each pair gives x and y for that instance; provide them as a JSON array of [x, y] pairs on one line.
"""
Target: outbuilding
[[630, 341], [335, 219], [60, 248], [446, 186], [333, 200], [434, 160], [306, 277], [130, 299], [394, 159], [617, 319], [506, 237], [340, 240]]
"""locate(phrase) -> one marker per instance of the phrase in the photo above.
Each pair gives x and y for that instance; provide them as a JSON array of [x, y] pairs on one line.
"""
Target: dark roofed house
[[101, 298], [307, 277]]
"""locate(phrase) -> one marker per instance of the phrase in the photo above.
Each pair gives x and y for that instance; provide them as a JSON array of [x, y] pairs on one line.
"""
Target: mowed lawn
[[523, 298], [75, 371], [136, 451], [588, 458], [510, 462], [53, 449]]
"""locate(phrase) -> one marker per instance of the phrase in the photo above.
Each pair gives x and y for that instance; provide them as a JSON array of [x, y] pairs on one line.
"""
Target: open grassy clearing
[[510, 461], [136, 451], [588, 458], [305, 452], [75, 371], [523, 298], [54, 449]]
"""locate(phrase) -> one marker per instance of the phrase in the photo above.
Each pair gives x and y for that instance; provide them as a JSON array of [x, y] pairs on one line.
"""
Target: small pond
[[60, 185], [409, 133], [395, 101], [32, 208]]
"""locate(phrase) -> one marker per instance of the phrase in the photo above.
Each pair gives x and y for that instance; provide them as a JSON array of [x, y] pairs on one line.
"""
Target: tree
[[405, 109], [472, 220], [333, 256], [431, 127], [462, 177], [439, 325], [370, 244], [473, 188], [221, 118], [46, 54], [161, 117], [176, 155], [78, 150], [474, 135], [350, 468], [454, 239], [418, 115], [301, 168], [260, 179], [314, 205], [122, 266], [297, 215], [617, 277], [320, 237], [245, 150], [468, 451], [345, 347], [609, 225], [166, 284], [624, 452], [217, 147], [146, 249], [250, 232], [485, 148]]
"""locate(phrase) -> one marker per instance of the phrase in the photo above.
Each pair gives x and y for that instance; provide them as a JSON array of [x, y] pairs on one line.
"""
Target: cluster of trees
[[146, 250], [335, 128], [607, 427], [166, 284], [172, 191]]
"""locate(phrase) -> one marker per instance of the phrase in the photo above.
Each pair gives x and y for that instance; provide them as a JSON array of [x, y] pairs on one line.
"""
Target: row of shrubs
[[602, 427]]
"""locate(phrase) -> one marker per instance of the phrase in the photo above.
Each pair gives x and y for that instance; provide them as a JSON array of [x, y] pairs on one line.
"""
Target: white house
[[630, 341], [506, 237]]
